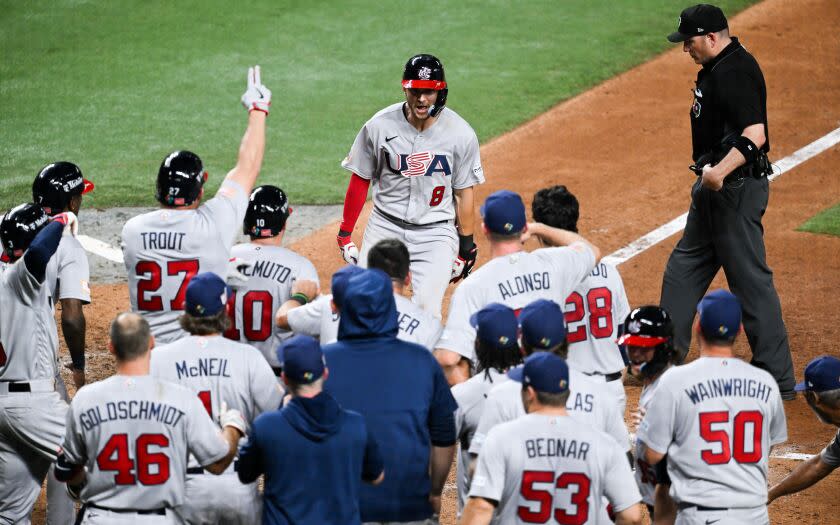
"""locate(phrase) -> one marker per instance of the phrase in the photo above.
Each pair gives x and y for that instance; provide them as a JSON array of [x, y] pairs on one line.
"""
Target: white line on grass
[[101, 248], [675, 225], [793, 455]]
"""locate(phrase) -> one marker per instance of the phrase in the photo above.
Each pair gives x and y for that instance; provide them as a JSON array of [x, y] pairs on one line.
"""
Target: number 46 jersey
[[716, 418]]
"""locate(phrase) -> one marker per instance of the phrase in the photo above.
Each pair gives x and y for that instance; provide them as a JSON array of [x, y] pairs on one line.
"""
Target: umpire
[[730, 141]]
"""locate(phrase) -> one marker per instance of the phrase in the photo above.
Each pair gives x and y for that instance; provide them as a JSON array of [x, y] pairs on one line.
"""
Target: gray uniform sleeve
[[227, 210], [490, 473], [306, 319], [570, 263], [362, 158], [204, 439], [24, 284], [468, 170], [621, 306], [74, 443], [264, 387], [778, 423], [615, 426], [620, 487], [830, 455], [458, 335], [73, 271], [657, 427], [491, 415], [434, 330]]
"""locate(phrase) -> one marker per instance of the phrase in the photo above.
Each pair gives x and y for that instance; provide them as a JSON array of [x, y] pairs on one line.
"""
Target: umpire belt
[[35, 386], [159, 512], [405, 224]]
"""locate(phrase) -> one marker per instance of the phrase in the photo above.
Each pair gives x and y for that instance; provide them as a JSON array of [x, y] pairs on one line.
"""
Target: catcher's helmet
[[268, 209], [426, 72], [650, 326], [56, 183], [19, 226], [180, 179]]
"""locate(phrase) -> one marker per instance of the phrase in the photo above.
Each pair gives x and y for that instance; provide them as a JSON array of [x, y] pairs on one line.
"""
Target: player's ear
[[407, 280], [151, 342], [333, 307], [484, 228], [285, 380], [326, 374], [111, 348]]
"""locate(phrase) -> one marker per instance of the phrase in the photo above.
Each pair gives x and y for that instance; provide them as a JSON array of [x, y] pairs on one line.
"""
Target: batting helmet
[[650, 326], [268, 209], [56, 183], [180, 179], [426, 72], [19, 226]]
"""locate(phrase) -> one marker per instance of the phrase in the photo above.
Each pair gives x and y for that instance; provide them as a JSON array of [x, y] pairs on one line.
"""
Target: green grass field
[[115, 86], [827, 221]]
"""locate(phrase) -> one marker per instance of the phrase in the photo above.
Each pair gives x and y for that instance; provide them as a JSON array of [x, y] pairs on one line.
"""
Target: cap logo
[[503, 339], [699, 29], [722, 330], [508, 226], [424, 73], [307, 376], [199, 308], [634, 327], [545, 342], [562, 384]]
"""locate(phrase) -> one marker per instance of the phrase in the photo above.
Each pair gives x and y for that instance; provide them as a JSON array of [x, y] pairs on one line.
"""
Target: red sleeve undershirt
[[354, 200]]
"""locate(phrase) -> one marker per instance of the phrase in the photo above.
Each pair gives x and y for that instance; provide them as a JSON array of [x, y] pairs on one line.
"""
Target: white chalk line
[[786, 164], [101, 248]]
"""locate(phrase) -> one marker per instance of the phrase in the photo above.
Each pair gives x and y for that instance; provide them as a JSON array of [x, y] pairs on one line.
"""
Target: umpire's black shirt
[[730, 95]]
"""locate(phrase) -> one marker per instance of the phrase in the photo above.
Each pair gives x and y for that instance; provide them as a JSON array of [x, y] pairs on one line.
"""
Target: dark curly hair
[[556, 207], [488, 356]]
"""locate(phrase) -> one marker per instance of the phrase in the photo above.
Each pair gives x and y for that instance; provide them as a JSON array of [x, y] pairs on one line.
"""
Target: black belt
[[277, 370], [158, 512], [686, 506], [609, 377], [406, 224], [19, 387], [200, 470]]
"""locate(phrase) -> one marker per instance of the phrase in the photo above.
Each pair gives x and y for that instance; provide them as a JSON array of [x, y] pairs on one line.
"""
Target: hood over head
[[369, 309], [315, 417]]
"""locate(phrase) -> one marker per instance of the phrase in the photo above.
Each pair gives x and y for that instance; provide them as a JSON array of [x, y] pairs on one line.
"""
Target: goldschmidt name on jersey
[[729, 387], [120, 410]]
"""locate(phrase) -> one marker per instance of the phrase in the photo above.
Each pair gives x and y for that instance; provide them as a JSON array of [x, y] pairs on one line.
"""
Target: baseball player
[[216, 369], [649, 336], [716, 418], [416, 325], [597, 306], [513, 277], [270, 271], [496, 351], [128, 437], [546, 466], [164, 249], [424, 161], [31, 410]]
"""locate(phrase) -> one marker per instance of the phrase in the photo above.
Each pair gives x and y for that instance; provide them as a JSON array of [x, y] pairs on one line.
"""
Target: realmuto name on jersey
[[134, 409], [421, 164], [525, 283], [729, 387], [268, 270]]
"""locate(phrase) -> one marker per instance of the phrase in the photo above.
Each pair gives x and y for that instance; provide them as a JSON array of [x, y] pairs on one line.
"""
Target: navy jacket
[[399, 388], [314, 455]]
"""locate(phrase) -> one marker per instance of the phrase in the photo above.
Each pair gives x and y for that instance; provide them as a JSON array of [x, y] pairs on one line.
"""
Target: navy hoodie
[[400, 389], [314, 456]]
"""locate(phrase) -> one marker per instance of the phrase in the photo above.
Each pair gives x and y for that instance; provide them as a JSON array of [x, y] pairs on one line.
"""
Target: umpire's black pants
[[724, 229]]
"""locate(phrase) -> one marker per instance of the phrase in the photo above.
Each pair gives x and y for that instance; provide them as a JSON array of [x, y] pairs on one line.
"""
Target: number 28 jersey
[[414, 172], [133, 435], [165, 248], [716, 418]]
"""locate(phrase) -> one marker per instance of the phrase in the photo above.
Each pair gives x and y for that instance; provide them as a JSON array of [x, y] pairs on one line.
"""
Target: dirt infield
[[623, 148]]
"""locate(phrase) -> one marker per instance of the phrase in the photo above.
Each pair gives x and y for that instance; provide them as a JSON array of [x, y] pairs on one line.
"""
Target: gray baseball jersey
[[133, 434], [317, 319], [830, 455], [716, 418], [471, 396], [594, 312], [415, 171], [270, 280], [514, 280], [68, 272], [540, 467], [165, 248], [589, 402], [645, 473]]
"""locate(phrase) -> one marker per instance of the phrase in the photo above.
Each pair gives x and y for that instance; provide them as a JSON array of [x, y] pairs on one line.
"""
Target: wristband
[[344, 233], [465, 244], [300, 297], [747, 148]]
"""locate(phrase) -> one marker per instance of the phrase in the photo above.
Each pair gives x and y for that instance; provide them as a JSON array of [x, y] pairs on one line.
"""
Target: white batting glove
[[256, 96], [230, 417], [235, 277], [348, 249], [70, 222]]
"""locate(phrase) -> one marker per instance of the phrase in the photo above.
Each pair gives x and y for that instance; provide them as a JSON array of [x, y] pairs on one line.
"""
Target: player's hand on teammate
[[70, 222], [348, 248], [256, 96], [230, 417], [303, 287], [636, 417], [236, 266]]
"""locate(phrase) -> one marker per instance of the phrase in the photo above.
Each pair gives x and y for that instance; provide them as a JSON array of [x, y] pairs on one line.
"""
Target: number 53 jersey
[[133, 435], [716, 418]]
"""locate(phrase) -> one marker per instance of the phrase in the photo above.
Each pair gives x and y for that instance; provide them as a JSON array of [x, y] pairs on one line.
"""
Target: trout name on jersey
[[205, 367], [556, 447], [737, 387], [524, 283], [121, 410], [162, 240], [423, 164]]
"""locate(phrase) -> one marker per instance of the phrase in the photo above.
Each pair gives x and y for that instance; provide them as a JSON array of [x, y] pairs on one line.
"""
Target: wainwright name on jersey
[[165, 248]]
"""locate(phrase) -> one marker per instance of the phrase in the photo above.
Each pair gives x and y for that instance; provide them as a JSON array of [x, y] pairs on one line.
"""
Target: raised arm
[[257, 99]]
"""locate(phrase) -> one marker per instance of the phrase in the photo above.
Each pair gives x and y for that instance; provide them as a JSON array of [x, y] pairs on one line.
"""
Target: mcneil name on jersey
[[728, 387]]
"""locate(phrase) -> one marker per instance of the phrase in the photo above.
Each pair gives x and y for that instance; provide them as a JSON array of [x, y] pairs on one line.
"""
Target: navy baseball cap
[[700, 19], [504, 212], [339, 282], [496, 325], [544, 371], [543, 324], [206, 295], [301, 358], [720, 315], [821, 374]]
